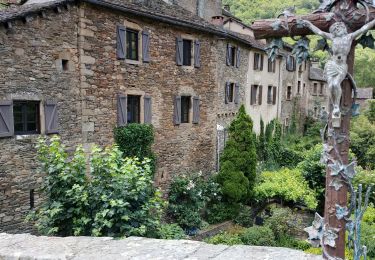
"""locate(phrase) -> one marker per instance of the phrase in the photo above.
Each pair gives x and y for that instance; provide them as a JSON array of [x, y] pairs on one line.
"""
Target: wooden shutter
[[122, 113], [227, 86], [252, 95], [238, 58], [51, 119], [121, 39], [260, 95], [261, 57], [255, 67], [147, 110], [177, 110], [179, 51], [196, 111], [146, 46], [229, 54], [6, 118], [236, 93], [197, 54], [274, 95]]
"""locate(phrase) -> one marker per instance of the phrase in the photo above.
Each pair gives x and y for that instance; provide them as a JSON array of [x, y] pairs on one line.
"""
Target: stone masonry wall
[[30, 69]]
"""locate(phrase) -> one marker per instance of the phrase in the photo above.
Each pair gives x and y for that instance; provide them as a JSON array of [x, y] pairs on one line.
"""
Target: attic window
[[65, 65]]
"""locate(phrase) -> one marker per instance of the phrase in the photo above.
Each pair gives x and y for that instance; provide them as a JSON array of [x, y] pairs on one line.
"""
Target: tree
[[261, 142], [238, 161]]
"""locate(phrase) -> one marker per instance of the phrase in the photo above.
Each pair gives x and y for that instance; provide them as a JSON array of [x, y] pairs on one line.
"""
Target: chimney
[[217, 20], [227, 8]]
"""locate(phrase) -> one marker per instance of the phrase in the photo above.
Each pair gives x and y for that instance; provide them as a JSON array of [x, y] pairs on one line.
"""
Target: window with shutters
[[271, 66], [289, 93], [231, 92], [315, 89], [26, 117], [254, 94], [185, 109], [290, 63], [321, 89], [270, 95], [133, 109], [132, 44], [187, 50], [258, 61]]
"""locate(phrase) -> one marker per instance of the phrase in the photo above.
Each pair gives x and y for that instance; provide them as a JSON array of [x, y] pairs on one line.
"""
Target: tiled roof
[[154, 9], [316, 74], [365, 93]]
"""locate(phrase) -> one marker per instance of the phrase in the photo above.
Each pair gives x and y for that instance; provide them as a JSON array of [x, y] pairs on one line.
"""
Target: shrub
[[366, 178], [118, 199], [135, 140], [239, 159], [226, 239], [284, 222], [285, 184], [244, 217], [219, 211], [291, 242], [188, 196], [258, 236], [368, 238], [171, 231]]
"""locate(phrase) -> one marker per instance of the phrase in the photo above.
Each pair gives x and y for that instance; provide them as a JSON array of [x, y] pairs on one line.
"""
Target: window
[[289, 93], [26, 117], [304, 87], [271, 66], [133, 108], [315, 90], [290, 63], [300, 69], [321, 88], [233, 56], [131, 44], [270, 95], [32, 199], [65, 65], [258, 61], [299, 88], [315, 112], [256, 95], [186, 61], [185, 109], [231, 92]]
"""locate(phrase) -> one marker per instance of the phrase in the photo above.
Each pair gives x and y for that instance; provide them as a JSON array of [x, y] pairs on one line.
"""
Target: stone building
[[317, 93]]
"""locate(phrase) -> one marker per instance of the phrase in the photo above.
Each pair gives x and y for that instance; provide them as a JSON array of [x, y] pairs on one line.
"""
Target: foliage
[[291, 242], [370, 113], [261, 143], [188, 196], [366, 178], [135, 140], [171, 231], [219, 211], [225, 238], [244, 217], [238, 160], [118, 199], [285, 184], [368, 238], [258, 236]]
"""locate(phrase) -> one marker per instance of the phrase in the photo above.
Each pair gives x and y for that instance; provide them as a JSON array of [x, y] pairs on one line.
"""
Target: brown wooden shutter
[[121, 39], [147, 110], [6, 119], [177, 110], [227, 86], [261, 61], [274, 95], [197, 54], [146, 46], [236, 93], [179, 51], [122, 113], [196, 111], [51, 119], [260, 95], [238, 58], [229, 54]]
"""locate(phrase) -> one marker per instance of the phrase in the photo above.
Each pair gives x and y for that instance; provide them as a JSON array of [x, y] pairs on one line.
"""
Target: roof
[[316, 74], [365, 93], [153, 9]]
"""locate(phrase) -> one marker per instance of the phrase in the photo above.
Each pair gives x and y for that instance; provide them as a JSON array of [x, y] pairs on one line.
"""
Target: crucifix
[[341, 22]]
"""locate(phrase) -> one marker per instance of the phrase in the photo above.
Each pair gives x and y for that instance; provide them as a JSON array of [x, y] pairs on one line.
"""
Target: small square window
[[187, 45], [132, 44], [185, 109], [134, 107], [26, 117], [65, 65]]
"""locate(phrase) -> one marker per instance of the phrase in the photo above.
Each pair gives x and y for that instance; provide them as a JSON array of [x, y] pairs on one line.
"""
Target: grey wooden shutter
[[238, 58], [227, 86], [121, 39], [229, 54], [196, 111], [260, 95], [237, 93], [179, 51], [147, 110], [197, 54], [255, 65], [261, 61], [274, 95], [6, 118], [51, 119], [146, 46], [177, 110], [122, 113]]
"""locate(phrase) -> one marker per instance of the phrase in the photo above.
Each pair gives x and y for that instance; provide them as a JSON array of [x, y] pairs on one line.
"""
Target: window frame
[[315, 88], [254, 96], [258, 61], [289, 94], [270, 95], [271, 66], [191, 53], [24, 117], [184, 113], [128, 47], [321, 90], [131, 102]]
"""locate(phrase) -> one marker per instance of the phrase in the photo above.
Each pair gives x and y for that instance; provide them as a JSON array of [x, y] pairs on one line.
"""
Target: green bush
[[135, 140], [188, 197], [238, 160], [288, 185], [219, 211], [291, 242], [118, 199], [225, 239], [368, 237], [258, 236], [244, 217], [171, 231]]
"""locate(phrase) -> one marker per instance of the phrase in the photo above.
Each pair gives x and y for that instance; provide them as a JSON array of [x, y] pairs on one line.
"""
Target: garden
[[268, 187]]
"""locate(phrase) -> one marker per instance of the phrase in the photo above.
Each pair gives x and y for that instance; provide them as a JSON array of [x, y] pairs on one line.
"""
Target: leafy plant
[[258, 236], [244, 217], [225, 238], [171, 231], [219, 211]]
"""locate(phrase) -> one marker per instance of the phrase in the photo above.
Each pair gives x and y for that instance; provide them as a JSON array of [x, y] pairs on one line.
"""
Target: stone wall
[[31, 69]]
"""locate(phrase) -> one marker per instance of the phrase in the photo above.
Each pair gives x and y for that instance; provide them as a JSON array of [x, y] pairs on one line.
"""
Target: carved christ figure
[[336, 68]]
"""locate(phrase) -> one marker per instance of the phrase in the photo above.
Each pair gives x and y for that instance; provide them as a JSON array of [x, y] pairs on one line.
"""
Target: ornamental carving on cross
[[340, 22]]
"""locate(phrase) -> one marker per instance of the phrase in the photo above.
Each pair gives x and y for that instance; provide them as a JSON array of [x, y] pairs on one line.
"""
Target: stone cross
[[339, 21]]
